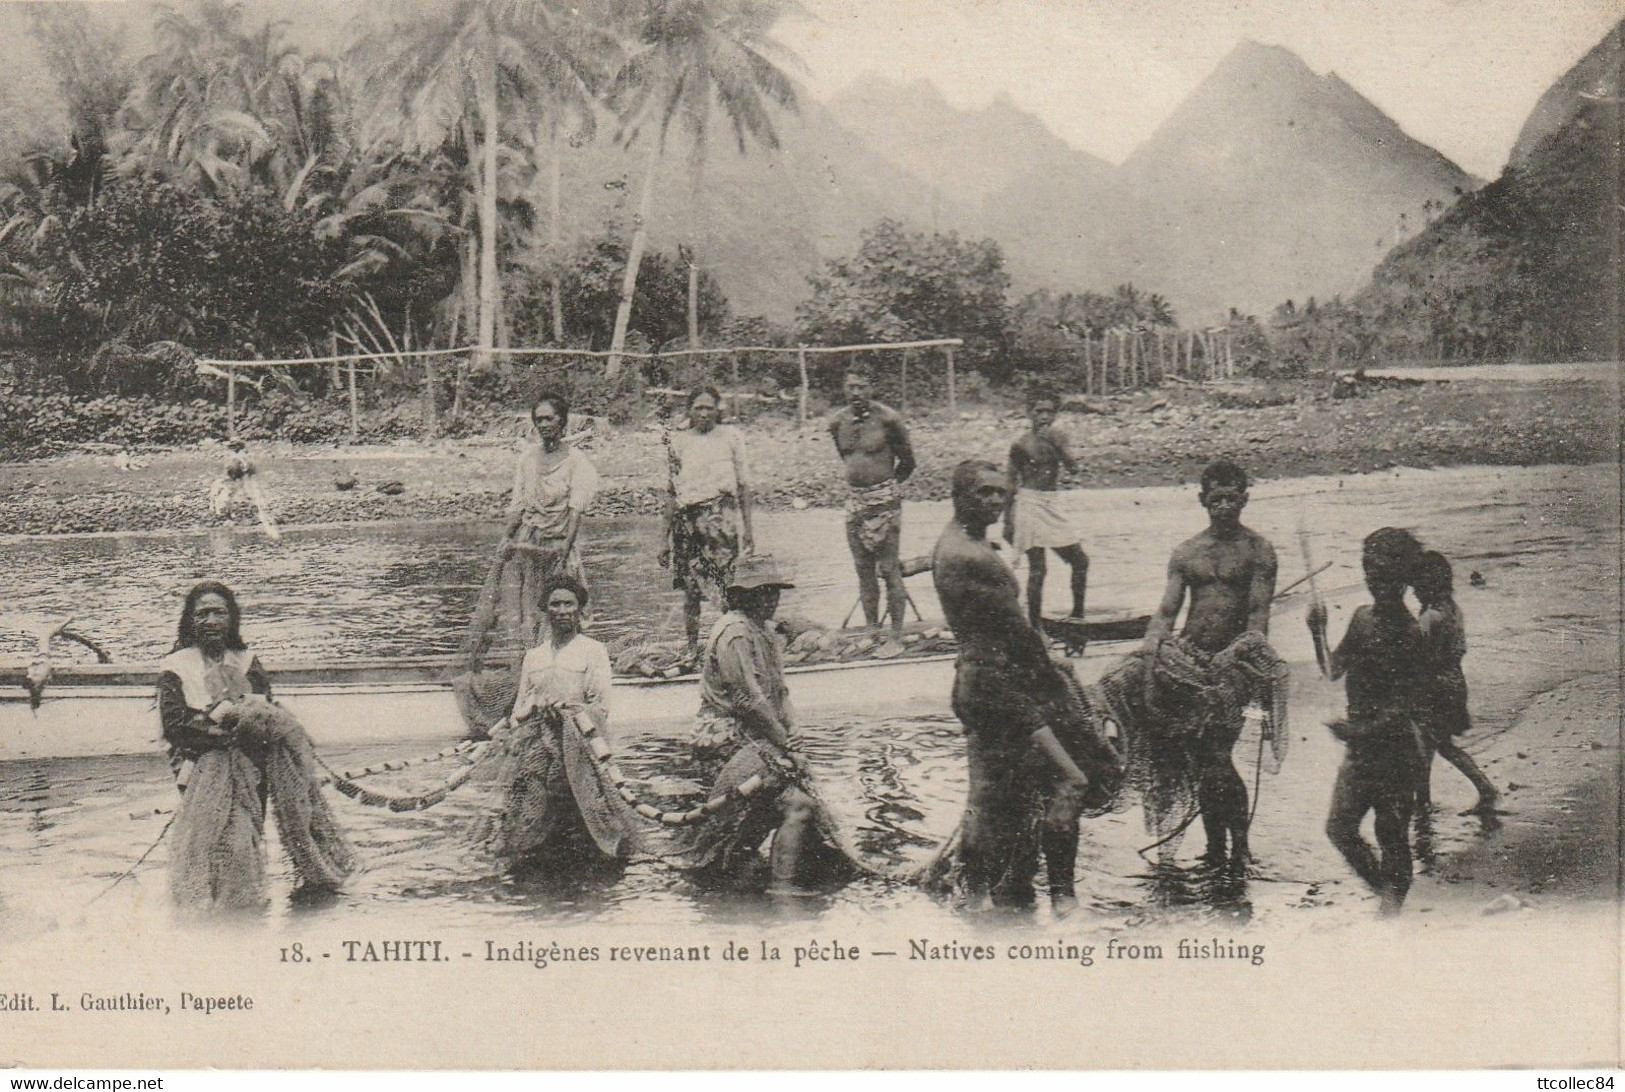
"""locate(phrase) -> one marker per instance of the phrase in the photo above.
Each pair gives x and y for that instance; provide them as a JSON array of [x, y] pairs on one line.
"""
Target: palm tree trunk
[[488, 211], [555, 232], [693, 303], [634, 257]]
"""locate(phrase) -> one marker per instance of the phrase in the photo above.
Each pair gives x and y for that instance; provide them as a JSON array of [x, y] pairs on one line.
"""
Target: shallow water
[[1546, 541]]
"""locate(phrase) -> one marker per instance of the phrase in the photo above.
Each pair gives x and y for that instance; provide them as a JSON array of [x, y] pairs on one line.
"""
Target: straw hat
[[758, 571]]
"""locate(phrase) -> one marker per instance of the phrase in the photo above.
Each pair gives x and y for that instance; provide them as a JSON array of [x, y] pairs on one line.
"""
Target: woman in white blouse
[[559, 812]]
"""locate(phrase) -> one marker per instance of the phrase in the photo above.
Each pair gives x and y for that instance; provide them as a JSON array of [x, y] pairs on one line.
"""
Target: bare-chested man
[[874, 445], [1229, 573], [1020, 734], [1034, 522]]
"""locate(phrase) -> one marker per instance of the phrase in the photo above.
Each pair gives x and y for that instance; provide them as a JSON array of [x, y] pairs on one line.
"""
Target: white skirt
[[1040, 524]]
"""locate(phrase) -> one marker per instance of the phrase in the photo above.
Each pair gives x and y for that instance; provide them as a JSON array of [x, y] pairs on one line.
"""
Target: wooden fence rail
[[1117, 360]]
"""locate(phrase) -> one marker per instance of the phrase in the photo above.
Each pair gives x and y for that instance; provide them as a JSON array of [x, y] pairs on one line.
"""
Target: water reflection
[[1546, 540]]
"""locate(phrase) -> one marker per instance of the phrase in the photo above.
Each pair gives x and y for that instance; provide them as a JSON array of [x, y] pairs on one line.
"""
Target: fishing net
[[555, 798], [218, 858], [1196, 700], [726, 845], [504, 626], [1077, 725], [217, 847]]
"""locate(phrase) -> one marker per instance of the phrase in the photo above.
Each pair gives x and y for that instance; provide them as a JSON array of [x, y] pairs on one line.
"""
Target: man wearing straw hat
[[874, 446], [745, 725]]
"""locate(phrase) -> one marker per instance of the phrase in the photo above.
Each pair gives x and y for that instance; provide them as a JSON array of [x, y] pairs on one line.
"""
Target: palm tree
[[448, 75], [686, 58], [194, 111]]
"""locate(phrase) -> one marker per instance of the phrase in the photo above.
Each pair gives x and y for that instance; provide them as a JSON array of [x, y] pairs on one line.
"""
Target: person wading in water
[[708, 509], [553, 484], [1181, 699], [1024, 739]]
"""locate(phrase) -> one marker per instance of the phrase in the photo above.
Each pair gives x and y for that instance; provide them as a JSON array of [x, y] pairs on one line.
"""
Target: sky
[[1460, 75]]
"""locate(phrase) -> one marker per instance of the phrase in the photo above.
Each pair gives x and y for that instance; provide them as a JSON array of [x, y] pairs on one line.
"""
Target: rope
[[390, 767], [1185, 825], [602, 755], [1258, 773], [417, 802], [128, 872]]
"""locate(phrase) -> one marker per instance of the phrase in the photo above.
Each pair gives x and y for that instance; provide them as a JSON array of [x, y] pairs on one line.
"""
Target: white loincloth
[[1040, 523]]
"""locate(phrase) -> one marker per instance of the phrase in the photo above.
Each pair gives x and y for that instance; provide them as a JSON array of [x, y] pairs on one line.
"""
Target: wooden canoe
[[91, 710]]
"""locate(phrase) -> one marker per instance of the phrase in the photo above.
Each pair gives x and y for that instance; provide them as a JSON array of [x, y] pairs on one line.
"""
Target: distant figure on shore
[[708, 508], [1035, 759], [1443, 706], [239, 480], [553, 484], [1181, 700], [873, 444], [1382, 657], [1034, 522]]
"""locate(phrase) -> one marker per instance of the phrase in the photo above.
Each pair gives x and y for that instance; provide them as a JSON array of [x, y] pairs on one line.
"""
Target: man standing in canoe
[[873, 444], [1180, 700], [1025, 736], [1034, 522]]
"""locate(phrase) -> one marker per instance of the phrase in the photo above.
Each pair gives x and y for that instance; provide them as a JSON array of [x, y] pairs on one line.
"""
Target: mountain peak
[[1251, 57], [1595, 77]]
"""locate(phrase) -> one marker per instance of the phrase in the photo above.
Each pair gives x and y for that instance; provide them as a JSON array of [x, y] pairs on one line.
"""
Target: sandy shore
[[1560, 838], [1161, 437]]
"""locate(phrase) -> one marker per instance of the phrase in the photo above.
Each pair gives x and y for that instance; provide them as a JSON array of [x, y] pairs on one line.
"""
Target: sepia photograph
[[810, 534]]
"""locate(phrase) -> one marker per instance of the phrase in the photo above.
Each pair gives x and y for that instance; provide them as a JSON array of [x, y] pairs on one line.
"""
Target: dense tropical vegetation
[[220, 190]]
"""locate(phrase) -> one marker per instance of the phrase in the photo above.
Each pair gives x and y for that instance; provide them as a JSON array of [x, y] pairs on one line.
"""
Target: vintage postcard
[[725, 534]]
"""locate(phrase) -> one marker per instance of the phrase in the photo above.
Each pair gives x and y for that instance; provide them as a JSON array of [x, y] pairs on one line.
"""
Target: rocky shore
[[1154, 437]]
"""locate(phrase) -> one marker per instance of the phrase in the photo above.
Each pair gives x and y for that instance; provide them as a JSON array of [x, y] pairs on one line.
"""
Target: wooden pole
[[733, 361], [231, 404], [953, 392], [1229, 354], [428, 400], [355, 409], [905, 379], [801, 397], [1088, 368]]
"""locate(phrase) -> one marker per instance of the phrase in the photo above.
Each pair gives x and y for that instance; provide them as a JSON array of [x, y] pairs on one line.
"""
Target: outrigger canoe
[[96, 710]]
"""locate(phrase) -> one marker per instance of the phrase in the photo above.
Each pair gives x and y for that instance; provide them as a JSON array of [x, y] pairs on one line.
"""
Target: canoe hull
[[94, 721]]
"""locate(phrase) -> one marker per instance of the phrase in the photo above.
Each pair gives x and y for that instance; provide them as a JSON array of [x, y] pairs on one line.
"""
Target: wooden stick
[[1322, 654], [801, 396], [1308, 576]]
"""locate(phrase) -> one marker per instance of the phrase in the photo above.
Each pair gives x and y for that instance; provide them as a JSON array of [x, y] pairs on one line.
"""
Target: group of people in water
[[1042, 751]]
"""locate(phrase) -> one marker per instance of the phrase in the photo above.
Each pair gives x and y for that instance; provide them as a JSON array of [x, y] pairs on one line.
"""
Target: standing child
[[1381, 656], [1443, 708]]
